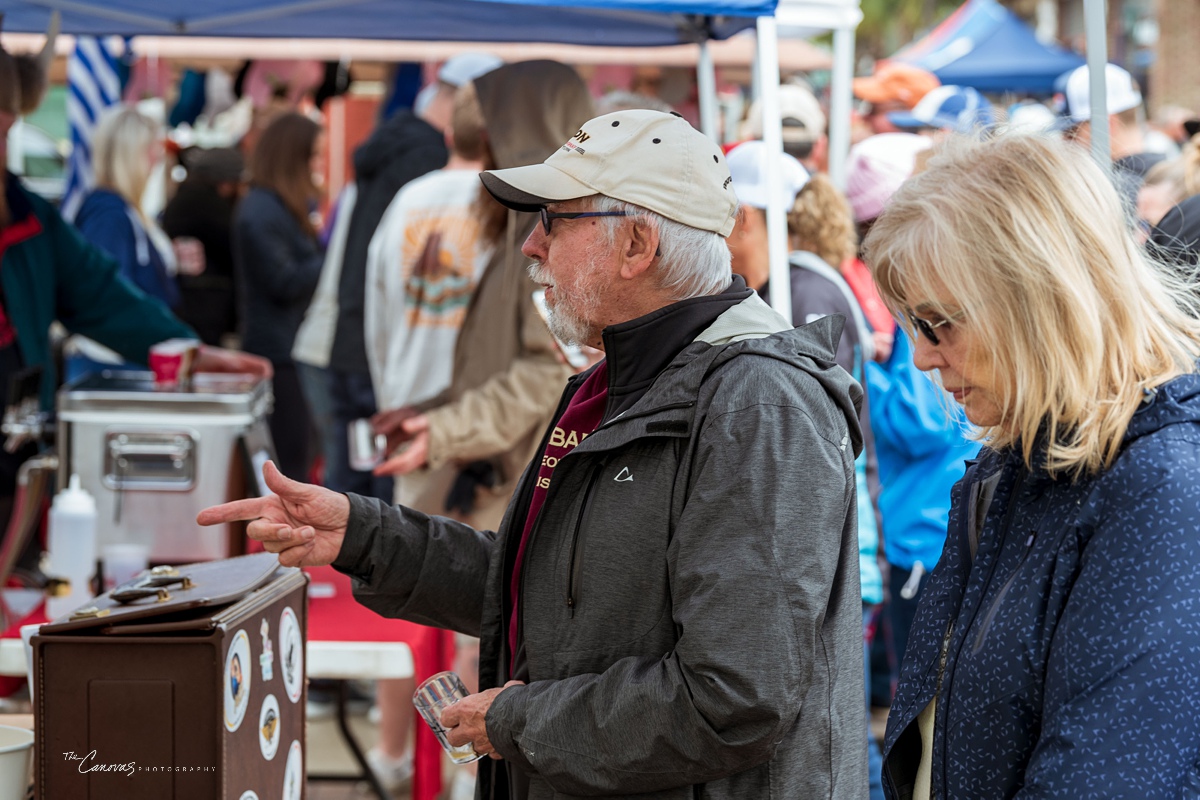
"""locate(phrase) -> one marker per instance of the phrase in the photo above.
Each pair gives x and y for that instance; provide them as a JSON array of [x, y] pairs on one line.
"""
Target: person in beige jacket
[[475, 438]]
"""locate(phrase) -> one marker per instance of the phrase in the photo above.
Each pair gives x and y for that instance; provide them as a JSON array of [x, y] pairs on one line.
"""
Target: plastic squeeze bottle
[[72, 545]]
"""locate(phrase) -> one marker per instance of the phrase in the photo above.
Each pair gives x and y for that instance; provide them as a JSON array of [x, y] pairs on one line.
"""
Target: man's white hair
[[693, 263]]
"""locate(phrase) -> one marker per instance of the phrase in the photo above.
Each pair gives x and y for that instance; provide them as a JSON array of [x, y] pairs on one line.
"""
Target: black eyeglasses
[[927, 328], [548, 217]]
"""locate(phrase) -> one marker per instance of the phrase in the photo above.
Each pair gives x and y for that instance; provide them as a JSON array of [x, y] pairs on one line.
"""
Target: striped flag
[[93, 84]]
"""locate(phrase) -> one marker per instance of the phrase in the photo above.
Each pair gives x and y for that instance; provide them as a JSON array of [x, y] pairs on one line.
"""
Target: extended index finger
[[250, 508]]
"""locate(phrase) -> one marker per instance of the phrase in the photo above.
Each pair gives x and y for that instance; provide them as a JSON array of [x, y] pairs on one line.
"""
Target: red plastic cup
[[172, 361]]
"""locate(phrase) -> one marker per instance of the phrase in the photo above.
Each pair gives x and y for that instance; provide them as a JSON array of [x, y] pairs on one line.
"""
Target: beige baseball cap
[[647, 158]]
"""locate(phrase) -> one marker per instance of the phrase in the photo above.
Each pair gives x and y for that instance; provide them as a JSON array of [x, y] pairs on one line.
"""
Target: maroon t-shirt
[[581, 417]]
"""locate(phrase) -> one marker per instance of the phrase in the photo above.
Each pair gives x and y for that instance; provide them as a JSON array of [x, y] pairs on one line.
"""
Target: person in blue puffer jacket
[[126, 147], [922, 447], [1056, 648]]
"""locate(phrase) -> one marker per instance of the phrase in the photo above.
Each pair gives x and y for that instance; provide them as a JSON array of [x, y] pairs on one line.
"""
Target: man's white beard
[[568, 325]]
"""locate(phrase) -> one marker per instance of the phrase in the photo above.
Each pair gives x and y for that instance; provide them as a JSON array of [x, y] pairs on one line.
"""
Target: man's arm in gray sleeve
[[425, 569]]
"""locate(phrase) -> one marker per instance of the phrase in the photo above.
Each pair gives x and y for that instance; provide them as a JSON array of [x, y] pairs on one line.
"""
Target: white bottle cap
[[75, 499]]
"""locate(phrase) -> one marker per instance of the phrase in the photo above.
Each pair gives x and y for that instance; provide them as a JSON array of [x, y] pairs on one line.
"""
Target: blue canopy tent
[[588, 22], [987, 47]]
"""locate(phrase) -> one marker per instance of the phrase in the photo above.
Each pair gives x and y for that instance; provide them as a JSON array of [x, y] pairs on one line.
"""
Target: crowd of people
[[692, 564]]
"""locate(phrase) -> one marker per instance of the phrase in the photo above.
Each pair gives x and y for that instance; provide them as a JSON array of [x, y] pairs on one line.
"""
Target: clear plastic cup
[[366, 446], [431, 699], [122, 562]]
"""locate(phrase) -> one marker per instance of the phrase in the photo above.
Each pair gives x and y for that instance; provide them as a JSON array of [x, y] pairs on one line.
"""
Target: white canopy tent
[[802, 19]]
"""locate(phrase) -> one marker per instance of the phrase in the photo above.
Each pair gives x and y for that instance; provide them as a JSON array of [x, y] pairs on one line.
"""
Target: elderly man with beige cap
[[670, 608]]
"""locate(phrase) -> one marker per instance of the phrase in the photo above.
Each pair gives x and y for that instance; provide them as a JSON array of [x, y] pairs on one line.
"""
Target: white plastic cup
[[431, 699], [16, 749], [122, 562], [27, 634]]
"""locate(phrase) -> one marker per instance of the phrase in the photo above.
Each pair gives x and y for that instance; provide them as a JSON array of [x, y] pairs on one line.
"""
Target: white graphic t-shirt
[[423, 264]]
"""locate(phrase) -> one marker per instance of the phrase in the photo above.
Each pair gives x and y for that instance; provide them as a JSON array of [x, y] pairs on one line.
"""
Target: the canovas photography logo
[[92, 762]]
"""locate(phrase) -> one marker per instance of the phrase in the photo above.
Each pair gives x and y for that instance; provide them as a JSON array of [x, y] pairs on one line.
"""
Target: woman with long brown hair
[[278, 261]]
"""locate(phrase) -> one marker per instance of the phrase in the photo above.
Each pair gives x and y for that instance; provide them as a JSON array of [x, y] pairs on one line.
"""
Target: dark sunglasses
[[548, 217], [927, 328]]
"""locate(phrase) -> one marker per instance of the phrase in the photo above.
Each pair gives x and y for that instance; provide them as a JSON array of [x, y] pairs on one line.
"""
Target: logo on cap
[[581, 136]]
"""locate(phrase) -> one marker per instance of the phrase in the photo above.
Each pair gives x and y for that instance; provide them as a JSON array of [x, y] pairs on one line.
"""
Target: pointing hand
[[304, 524]]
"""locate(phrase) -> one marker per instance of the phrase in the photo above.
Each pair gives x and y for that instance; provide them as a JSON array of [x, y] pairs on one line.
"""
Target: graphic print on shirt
[[439, 256]]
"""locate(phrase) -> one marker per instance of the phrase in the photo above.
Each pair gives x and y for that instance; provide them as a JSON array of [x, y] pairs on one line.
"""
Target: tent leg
[[706, 84], [840, 98], [1095, 15], [768, 83]]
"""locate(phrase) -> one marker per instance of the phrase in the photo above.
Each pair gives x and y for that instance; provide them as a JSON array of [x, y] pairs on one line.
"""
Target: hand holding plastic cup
[[367, 447], [431, 699], [172, 361]]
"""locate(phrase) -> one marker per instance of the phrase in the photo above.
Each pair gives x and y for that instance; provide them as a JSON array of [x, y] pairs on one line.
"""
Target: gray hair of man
[[692, 262]]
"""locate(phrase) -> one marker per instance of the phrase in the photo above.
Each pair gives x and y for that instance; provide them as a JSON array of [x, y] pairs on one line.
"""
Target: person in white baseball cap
[[749, 164], [803, 125], [1126, 124], [674, 588], [435, 103]]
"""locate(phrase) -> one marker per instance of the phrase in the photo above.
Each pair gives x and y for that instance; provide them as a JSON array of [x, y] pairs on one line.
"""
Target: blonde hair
[[1181, 175], [821, 222], [1026, 239], [467, 124], [121, 153]]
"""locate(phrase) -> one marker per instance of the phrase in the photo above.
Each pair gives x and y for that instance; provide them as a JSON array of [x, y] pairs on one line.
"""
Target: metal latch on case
[[152, 586]]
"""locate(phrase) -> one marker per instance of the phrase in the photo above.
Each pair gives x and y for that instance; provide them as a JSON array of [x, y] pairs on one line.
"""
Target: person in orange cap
[[895, 86]]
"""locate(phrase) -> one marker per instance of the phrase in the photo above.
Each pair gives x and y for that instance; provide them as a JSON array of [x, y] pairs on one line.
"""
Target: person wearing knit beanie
[[877, 166]]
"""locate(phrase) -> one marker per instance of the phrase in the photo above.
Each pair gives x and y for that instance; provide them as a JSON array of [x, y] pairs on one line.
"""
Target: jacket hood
[[754, 328], [1174, 402], [394, 139], [750, 319], [530, 109]]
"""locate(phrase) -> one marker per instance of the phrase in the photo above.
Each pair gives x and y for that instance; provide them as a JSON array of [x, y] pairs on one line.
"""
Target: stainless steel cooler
[[153, 458]]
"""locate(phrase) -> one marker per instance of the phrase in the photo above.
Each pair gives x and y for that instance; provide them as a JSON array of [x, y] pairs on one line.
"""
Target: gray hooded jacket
[[690, 605]]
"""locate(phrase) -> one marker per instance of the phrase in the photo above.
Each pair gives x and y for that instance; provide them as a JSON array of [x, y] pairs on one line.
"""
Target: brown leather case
[[193, 688]]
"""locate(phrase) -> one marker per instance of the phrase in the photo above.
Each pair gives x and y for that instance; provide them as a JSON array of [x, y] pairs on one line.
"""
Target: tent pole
[[706, 85], [1095, 18], [772, 127], [840, 98]]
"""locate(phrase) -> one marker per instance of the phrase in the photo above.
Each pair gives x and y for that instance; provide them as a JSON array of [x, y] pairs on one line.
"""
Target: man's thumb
[[282, 485]]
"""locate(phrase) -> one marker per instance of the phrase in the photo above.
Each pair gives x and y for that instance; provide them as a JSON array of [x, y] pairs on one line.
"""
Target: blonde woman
[[821, 222], [126, 147], [1056, 649]]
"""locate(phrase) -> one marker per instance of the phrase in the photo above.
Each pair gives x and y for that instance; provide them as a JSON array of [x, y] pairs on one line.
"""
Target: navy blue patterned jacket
[[1071, 639]]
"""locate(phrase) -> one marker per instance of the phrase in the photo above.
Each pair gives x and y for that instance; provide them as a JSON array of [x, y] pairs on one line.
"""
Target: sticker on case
[[266, 659], [291, 655], [268, 727], [237, 680], [293, 773]]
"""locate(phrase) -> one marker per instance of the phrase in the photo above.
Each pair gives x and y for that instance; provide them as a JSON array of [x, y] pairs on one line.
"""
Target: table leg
[[365, 772]]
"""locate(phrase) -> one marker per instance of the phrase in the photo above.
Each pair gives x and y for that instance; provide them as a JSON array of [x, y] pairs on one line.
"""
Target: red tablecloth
[[341, 619]]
